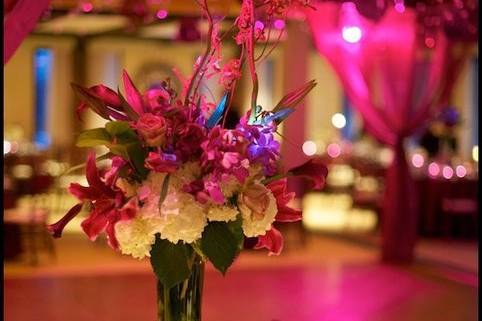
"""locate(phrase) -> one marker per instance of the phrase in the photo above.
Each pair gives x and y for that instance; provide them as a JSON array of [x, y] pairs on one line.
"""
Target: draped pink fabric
[[397, 84], [20, 19]]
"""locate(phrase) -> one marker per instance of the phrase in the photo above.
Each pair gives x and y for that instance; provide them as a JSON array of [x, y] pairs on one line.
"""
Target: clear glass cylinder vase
[[182, 302]]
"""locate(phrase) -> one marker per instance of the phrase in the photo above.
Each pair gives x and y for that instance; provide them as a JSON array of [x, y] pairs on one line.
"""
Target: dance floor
[[325, 280]]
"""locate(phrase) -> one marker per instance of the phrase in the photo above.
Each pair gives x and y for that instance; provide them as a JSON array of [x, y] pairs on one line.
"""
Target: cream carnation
[[183, 219], [127, 188], [222, 213], [258, 208], [136, 236]]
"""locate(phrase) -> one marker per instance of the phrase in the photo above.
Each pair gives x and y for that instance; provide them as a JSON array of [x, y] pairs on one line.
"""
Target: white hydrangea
[[187, 173], [183, 219], [136, 236], [222, 213], [154, 182], [252, 225]]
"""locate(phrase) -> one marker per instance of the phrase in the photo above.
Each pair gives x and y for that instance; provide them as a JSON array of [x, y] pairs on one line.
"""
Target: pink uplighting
[[279, 24], [333, 150], [87, 7], [352, 34], [447, 172], [161, 14], [417, 160], [400, 7], [433, 169], [460, 171]]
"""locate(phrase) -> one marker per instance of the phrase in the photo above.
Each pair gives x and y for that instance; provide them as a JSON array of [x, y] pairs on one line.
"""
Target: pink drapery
[[19, 20], [397, 84]]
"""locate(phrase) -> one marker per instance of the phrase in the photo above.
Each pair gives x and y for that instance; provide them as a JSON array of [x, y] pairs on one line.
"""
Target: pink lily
[[108, 206], [285, 213], [272, 240], [314, 171]]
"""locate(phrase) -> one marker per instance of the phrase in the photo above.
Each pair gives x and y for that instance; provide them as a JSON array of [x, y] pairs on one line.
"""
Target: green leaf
[[236, 227], [165, 187], [220, 244], [170, 262], [93, 137], [119, 128]]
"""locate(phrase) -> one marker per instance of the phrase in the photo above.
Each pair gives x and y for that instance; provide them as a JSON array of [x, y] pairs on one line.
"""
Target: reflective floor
[[326, 279]]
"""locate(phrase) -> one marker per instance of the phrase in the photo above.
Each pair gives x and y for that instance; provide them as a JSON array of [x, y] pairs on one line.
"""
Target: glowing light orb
[[333, 150], [460, 171], [351, 34], [309, 148], [259, 25], [279, 24], [417, 160], [475, 153], [7, 147], [447, 172], [338, 120], [161, 14], [433, 169], [87, 7]]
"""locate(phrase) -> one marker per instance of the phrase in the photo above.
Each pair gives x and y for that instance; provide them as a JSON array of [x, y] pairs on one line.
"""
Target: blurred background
[[332, 267]]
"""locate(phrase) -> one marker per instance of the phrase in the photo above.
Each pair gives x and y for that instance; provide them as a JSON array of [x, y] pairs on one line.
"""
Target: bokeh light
[[475, 153], [309, 148], [279, 24], [161, 14], [417, 160], [87, 7], [433, 169], [447, 172], [333, 150], [7, 147], [460, 171], [352, 34], [338, 120]]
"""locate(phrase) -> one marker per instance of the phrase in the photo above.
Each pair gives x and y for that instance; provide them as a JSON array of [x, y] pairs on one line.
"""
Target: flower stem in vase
[[182, 302]]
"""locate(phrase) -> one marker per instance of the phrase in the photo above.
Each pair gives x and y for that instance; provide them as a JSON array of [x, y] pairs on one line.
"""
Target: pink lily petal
[[95, 224], [272, 240], [314, 171], [108, 96], [57, 228], [133, 97], [92, 175], [285, 213]]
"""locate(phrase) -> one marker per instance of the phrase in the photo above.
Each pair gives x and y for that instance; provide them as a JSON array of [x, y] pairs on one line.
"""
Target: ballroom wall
[[106, 56]]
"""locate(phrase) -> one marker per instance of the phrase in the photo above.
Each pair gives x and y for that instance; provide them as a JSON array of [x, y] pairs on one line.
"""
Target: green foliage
[[221, 242], [121, 140], [171, 262]]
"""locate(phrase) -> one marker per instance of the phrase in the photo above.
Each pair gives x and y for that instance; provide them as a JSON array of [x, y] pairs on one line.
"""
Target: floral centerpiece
[[181, 188]]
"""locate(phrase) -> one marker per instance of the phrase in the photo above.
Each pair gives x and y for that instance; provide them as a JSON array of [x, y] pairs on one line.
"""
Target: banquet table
[[438, 198]]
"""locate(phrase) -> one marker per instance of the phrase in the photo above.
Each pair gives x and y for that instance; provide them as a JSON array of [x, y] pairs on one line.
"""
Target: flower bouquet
[[181, 188]]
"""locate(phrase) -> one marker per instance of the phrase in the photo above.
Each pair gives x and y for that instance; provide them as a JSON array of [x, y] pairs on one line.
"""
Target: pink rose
[[152, 128]]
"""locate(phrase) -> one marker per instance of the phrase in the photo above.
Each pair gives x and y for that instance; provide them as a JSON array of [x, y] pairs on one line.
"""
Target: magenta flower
[[161, 162], [113, 173], [108, 206], [189, 137]]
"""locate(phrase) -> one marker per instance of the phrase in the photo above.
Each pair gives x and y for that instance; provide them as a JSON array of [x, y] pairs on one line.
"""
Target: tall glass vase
[[183, 301]]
